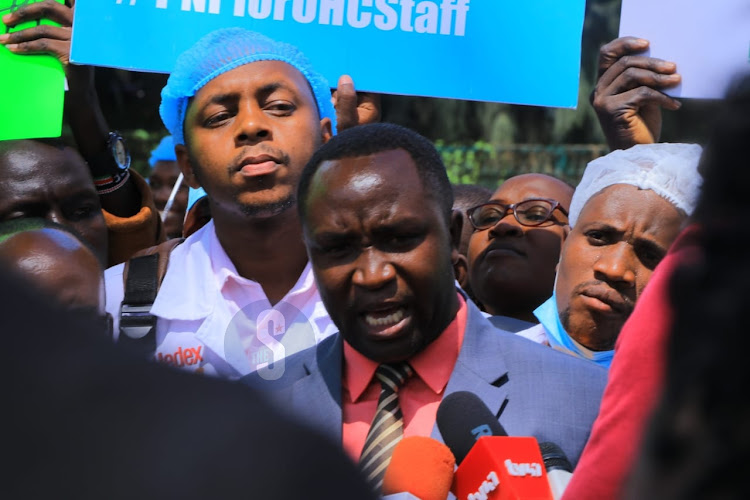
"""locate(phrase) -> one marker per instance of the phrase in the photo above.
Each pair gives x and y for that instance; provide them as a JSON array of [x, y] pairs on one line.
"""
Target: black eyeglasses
[[533, 212]]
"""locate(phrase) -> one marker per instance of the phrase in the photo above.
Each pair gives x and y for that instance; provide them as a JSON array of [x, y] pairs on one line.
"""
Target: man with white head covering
[[625, 213]]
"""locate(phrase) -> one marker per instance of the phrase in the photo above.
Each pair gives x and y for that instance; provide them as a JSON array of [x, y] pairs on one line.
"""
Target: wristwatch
[[114, 159]]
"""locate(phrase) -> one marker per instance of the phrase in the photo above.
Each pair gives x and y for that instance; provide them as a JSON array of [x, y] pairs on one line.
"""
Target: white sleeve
[[115, 290]]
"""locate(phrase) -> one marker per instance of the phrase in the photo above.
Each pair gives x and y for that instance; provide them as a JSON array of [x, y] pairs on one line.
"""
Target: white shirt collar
[[200, 267]]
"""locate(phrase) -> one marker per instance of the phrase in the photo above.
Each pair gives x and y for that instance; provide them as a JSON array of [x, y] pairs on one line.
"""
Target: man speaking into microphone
[[376, 208]]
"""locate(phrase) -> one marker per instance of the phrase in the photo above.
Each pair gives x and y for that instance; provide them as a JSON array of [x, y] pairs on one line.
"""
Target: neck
[[522, 313], [267, 250]]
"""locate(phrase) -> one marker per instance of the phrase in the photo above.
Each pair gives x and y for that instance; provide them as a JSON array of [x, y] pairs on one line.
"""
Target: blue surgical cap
[[224, 50], [163, 152], [194, 195]]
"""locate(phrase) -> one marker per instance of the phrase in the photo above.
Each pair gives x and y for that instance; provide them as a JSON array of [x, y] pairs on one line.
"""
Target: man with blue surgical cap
[[245, 113], [626, 211], [165, 175]]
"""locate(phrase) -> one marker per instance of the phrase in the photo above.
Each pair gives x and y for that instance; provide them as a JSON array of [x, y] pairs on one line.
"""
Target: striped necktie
[[387, 426]]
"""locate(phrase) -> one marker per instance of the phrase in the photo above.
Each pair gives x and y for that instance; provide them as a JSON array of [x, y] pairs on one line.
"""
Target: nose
[[372, 270], [506, 226], [616, 265], [252, 125]]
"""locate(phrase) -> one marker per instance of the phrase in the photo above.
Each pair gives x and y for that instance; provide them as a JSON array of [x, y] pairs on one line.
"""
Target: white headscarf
[[670, 170]]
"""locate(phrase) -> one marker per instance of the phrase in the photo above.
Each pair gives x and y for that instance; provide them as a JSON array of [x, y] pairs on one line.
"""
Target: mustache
[[261, 149], [624, 303]]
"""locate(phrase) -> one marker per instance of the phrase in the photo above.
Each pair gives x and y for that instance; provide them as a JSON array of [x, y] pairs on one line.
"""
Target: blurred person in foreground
[[164, 175], [696, 443], [54, 259], [91, 422]]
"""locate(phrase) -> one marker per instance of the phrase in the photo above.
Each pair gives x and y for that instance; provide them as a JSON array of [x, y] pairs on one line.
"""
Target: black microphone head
[[554, 458], [462, 418]]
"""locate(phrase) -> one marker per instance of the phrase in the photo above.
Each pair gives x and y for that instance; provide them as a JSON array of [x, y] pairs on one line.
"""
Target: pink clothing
[[635, 383], [419, 397]]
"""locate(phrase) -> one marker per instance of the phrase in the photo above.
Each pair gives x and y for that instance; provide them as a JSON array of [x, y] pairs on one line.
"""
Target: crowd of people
[[327, 287]]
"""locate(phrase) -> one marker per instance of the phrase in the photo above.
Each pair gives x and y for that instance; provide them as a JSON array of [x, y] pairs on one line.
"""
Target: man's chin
[[267, 209]]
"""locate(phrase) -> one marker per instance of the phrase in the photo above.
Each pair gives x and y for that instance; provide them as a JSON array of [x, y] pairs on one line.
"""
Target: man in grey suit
[[376, 207]]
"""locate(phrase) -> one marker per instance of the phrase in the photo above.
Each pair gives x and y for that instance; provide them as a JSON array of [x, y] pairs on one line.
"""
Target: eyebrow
[[651, 245], [220, 99]]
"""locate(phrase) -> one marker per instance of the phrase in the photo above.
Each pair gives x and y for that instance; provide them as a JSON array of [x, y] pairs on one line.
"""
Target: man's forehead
[[366, 174], [524, 186], [625, 205], [33, 159]]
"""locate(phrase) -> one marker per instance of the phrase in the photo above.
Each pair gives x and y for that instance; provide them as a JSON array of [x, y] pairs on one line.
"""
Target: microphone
[[559, 468], [420, 466], [493, 465]]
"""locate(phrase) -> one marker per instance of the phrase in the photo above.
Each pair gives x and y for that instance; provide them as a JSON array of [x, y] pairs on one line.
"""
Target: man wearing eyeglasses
[[515, 247], [628, 208]]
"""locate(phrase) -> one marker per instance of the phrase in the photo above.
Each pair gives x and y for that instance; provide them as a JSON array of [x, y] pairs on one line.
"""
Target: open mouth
[[377, 319], [387, 323]]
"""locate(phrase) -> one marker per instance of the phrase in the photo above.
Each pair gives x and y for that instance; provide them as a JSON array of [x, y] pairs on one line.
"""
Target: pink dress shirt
[[419, 397]]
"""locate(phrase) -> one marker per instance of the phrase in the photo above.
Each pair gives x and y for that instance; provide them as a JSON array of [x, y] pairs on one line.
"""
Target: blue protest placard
[[513, 51]]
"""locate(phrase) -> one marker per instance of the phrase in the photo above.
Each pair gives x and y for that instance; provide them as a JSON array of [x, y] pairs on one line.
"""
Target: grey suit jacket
[[533, 389]]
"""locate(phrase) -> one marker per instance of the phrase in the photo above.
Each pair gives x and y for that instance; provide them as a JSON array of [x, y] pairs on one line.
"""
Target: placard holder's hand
[[628, 96], [354, 108], [83, 111], [42, 39]]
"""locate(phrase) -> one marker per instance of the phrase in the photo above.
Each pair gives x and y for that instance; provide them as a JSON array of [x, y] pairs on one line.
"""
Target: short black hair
[[366, 140], [467, 196]]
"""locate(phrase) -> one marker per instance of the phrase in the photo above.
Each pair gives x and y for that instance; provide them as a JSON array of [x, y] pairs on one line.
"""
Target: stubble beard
[[267, 209]]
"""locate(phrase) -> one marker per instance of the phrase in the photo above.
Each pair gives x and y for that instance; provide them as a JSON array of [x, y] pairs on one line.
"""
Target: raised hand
[[41, 39], [352, 107], [628, 96]]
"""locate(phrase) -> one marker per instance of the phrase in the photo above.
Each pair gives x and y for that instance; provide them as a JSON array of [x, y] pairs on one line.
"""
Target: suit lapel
[[480, 367], [318, 392]]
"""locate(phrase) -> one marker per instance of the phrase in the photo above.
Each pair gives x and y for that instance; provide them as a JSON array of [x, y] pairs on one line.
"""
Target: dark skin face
[[162, 180], [40, 180], [621, 235], [57, 263], [250, 132], [511, 266], [381, 250]]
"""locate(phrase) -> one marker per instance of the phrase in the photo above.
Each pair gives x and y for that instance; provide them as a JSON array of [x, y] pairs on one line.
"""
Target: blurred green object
[[489, 165], [32, 87]]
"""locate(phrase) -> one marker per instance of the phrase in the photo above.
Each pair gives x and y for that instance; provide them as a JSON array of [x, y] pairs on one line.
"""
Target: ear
[[186, 166], [456, 225], [564, 236], [461, 270], [326, 130]]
